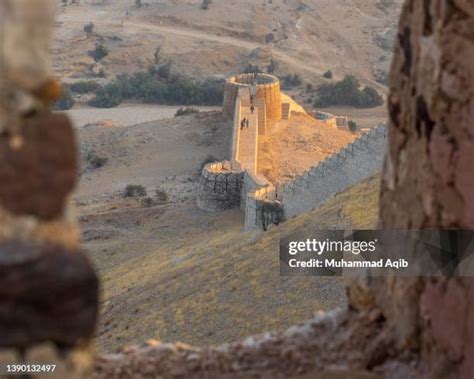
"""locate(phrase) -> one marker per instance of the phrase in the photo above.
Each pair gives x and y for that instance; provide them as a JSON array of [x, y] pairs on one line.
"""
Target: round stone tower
[[220, 187], [262, 86]]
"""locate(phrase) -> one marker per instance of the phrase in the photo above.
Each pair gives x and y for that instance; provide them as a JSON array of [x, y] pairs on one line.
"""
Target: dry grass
[[194, 277]]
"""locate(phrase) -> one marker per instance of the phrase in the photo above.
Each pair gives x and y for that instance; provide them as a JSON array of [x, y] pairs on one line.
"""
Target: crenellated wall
[[353, 164], [262, 202]]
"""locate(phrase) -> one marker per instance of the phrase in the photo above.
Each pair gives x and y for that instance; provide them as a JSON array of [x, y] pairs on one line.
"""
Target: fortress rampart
[[353, 164], [261, 86], [237, 183]]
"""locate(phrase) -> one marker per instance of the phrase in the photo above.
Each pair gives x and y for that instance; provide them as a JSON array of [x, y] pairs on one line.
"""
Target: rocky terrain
[[154, 252], [153, 256], [306, 37]]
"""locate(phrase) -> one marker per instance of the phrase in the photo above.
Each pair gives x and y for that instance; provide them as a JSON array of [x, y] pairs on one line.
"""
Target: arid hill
[[306, 37]]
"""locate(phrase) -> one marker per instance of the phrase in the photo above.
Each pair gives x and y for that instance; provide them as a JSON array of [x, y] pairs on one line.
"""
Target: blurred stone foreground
[[48, 289], [393, 327]]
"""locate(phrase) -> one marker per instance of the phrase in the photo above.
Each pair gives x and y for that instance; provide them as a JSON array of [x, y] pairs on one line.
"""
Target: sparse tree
[[66, 101], [99, 53], [205, 4], [273, 66], [269, 38], [352, 126], [164, 71], [135, 190], [328, 74], [89, 29]]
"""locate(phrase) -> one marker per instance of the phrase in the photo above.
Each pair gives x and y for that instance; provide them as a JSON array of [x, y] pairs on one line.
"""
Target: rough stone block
[[37, 177], [47, 293]]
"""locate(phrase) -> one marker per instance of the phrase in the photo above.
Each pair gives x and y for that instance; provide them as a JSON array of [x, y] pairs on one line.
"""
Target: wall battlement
[[232, 184], [353, 164]]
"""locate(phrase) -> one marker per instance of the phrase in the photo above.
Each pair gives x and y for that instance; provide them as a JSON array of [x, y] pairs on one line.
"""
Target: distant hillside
[[306, 37]]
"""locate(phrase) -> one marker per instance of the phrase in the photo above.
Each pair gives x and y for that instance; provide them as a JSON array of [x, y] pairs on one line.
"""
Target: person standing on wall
[[242, 123]]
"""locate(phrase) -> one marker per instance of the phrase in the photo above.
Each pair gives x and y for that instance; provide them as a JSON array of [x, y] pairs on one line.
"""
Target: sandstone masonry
[[237, 183]]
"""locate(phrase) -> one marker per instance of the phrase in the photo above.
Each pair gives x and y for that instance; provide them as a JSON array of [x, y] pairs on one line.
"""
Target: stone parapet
[[261, 86]]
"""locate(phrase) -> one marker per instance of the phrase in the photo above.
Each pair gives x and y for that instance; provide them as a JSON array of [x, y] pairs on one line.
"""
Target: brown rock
[[47, 293], [37, 177]]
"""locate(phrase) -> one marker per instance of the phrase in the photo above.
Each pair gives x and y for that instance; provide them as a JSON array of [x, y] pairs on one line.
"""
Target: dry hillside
[[186, 274], [171, 271], [305, 36], [213, 284]]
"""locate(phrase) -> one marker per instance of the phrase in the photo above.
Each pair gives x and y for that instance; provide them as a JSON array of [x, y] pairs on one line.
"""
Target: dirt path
[[249, 45], [133, 26]]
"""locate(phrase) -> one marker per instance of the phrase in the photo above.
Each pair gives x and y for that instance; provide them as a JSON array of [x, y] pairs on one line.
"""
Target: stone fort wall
[[220, 187], [353, 164], [226, 185], [267, 88]]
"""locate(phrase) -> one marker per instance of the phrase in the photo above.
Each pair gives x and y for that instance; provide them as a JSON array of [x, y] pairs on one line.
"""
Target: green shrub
[[89, 28], [164, 71], [99, 53], [347, 92], [272, 67], [352, 125], [328, 74], [382, 78], [205, 4], [102, 73], [108, 96], [65, 102], [134, 190], [146, 87], [186, 111], [252, 69], [161, 197], [84, 87], [370, 98], [96, 161], [270, 37], [290, 81], [147, 202]]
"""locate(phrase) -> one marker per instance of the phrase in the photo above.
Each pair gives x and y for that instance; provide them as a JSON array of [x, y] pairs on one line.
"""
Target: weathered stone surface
[[37, 177], [333, 345], [219, 190], [429, 177], [267, 88], [47, 293], [444, 305], [26, 35]]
